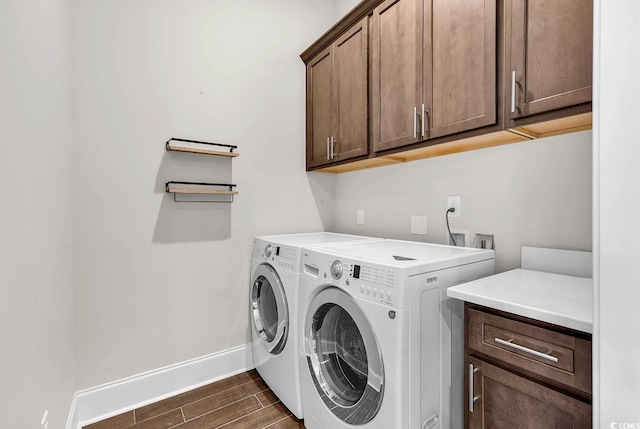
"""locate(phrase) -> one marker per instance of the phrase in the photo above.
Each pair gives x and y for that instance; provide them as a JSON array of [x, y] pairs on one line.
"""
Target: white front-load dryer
[[273, 296]]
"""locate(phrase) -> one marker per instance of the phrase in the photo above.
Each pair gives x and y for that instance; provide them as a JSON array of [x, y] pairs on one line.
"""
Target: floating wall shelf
[[174, 188], [195, 146], [203, 188]]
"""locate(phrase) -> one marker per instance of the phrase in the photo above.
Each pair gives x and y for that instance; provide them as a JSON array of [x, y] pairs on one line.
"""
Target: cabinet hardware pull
[[513, 91], [472, 399], [328, 153], [333, 155], [509, 343], [424, 119], [415, 122]]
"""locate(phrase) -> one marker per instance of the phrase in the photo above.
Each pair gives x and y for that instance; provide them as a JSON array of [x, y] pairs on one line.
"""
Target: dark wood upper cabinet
[[351, 92], [319, 108], [549, 55], [460, 65], [433, 69], [396, 74], [337, 99], [399, 80]]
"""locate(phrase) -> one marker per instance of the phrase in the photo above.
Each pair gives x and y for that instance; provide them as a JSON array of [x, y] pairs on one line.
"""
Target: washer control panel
[[377, 284], [279, 256]]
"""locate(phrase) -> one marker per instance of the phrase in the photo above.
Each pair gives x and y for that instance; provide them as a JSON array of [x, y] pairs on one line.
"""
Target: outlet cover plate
[[455, 203]]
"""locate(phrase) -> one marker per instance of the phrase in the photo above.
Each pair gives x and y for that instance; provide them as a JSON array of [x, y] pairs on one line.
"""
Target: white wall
[[535, 193], [36, 291], [159, 282], [343, 6], [616, 209]]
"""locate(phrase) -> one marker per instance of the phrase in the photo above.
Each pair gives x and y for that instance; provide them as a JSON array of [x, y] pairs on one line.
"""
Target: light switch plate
[[360, 216], [419, 225]]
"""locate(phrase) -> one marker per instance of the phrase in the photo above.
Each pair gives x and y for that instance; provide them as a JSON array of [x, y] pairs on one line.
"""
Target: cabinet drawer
[[554, 355]]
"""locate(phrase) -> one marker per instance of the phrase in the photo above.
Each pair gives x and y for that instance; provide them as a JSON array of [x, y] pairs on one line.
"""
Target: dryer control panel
[[377, 284]]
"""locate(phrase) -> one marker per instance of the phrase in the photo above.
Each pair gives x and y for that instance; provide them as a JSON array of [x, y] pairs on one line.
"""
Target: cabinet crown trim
[[364, 8]]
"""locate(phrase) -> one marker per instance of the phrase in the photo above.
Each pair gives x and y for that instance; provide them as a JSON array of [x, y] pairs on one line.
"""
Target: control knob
[[336, 269], [268, 250]]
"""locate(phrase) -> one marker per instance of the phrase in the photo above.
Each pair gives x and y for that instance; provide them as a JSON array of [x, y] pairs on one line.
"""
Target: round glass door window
[[269, 309], [343, 357]]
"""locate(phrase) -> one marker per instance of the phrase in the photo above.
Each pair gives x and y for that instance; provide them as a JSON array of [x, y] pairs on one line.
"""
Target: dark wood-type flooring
[[243, 401]]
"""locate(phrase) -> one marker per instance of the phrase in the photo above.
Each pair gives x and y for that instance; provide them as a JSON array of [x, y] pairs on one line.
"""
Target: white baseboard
[[101, 402]]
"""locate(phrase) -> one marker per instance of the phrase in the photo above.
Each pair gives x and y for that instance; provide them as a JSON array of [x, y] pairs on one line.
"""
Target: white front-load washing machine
[[275, 275], [382, 342]]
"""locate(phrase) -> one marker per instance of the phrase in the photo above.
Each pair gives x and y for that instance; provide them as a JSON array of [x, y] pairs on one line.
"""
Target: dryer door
[[344, 357], [269, 309]]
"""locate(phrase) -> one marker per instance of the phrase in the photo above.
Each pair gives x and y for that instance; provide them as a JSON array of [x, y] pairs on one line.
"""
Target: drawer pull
[[509, 343]]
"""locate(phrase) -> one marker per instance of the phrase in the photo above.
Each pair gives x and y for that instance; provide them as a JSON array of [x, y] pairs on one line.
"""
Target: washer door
[[344, 357], [269, 309]]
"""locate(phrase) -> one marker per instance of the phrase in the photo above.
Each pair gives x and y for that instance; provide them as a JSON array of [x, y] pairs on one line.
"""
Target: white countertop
[[554, 298]]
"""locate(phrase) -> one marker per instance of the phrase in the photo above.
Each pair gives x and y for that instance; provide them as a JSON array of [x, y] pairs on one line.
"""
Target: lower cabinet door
[[496, 398]]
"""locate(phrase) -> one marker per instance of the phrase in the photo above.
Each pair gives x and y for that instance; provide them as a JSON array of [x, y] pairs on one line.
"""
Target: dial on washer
[[336, 269]]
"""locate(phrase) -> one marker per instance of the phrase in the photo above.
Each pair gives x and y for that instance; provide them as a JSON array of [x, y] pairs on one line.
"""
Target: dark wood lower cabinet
[[525, 374], [507, 400]]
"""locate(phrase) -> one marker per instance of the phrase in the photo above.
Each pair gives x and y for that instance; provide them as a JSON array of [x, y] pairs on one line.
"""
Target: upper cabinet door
[[459, 65], [396, 74], [338, 98], [320, 108], [351, 93], [550, 44]]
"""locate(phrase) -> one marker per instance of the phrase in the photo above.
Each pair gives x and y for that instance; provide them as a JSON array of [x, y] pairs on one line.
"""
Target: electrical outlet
[[454, 202], [484, 241], [360, 216], [419, 225]]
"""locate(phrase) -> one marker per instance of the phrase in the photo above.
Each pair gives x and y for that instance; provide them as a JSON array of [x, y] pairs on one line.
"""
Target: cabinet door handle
[[424, 120], [513, 91], [472, 399], [333, 155], [328, 153], [415, 122], [509, 343]]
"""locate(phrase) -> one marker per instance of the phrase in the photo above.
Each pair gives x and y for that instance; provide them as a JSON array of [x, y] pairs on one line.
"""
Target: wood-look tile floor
[[243, 401]]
